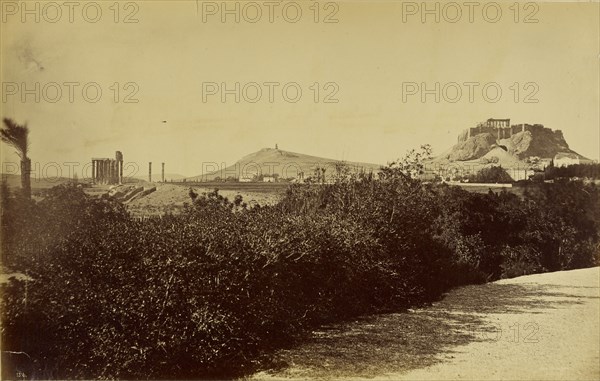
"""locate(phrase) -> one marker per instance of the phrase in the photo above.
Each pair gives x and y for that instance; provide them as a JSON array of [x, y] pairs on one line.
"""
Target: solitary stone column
[[119, 158], [163, 172], [150, 172]]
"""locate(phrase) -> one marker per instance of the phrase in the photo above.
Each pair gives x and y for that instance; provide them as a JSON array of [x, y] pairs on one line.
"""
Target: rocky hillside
[[472, 148], [541, 142]]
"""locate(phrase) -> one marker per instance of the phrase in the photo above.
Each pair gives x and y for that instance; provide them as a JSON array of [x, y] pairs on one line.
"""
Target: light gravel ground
[[543, 326]]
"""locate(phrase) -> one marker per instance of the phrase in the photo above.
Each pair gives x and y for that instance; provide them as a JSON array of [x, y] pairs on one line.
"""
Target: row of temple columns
[[110, 171], [498, 123], [107, 171]]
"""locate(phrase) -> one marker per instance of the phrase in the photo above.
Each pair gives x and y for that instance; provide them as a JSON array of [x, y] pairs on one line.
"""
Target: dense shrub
[[210, 292], [493, 174], [590, 171]]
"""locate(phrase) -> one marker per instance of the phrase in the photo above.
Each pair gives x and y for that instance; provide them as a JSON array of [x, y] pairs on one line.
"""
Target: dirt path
[[543, 326]]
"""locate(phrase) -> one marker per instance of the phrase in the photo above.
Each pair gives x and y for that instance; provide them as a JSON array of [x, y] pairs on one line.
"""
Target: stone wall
[[502, 132]]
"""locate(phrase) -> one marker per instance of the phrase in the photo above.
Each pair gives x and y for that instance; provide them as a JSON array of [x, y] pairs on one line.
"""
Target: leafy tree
[[409, 167], [493, 174], [17, 136]]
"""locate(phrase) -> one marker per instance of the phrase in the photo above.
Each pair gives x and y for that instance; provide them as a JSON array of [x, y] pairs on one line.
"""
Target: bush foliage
[[493, 174], [210, 292]]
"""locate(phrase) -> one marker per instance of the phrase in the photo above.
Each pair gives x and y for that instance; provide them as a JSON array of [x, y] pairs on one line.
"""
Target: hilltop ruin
[[520, 140], [502, 129]]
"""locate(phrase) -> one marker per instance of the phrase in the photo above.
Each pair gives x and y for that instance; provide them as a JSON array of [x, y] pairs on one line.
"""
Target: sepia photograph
[[300, 190]]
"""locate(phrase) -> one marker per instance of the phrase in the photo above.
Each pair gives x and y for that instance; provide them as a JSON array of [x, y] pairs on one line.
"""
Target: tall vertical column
[[93, 172], [116, 172], [119, 160], [121, 172], [104, 172], [150, 171], [163, 173], [113, 171]]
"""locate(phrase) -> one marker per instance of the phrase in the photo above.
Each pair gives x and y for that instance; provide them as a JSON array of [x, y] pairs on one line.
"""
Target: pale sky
[[371, 54]]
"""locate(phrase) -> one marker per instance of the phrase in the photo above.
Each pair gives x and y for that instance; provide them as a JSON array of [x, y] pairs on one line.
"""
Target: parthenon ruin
[[108, 171], [495, 123], [499, 128]]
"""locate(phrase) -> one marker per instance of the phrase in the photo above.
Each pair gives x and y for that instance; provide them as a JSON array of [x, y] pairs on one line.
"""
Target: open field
[[242, 187], [542, 326]]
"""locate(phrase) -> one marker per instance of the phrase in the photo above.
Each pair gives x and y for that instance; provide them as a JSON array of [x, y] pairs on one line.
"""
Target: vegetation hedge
[[211, 292]]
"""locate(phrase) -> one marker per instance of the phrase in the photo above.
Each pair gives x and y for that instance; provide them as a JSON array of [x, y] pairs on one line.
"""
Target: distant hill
[[284, 164]]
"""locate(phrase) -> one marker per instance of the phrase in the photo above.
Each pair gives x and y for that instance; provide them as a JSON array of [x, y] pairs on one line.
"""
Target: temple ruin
[[108, 171], [500, 128]]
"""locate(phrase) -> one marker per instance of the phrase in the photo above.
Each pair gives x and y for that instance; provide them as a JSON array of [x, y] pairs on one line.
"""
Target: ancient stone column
[[150, 171], [109, 171], [119, 158], [113, 171], [163, 172], [120, 171]]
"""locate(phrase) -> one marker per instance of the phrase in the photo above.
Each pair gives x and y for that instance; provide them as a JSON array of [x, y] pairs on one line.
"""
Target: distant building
[[563, 159], [268, 179]]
